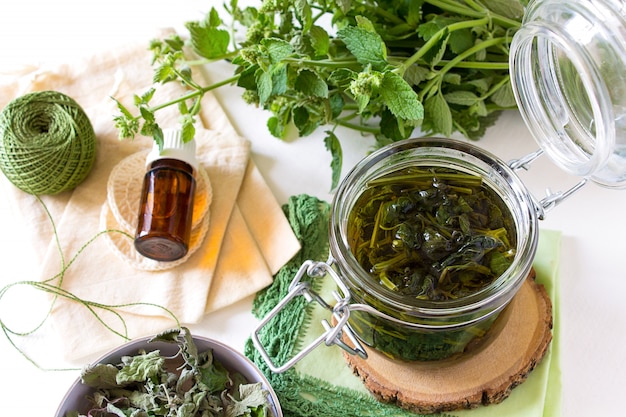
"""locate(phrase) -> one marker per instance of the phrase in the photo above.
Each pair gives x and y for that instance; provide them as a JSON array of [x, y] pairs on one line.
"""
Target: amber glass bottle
[[167, 197]]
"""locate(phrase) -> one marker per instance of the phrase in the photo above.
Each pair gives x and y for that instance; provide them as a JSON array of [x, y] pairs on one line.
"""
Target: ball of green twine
[[47, 143]]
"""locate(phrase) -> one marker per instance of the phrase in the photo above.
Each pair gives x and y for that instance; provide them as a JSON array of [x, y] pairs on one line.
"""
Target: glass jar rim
[[496, 295]]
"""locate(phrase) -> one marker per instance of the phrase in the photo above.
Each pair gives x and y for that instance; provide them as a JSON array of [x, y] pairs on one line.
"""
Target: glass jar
[[410, 328], [567, 65], [404, 327]]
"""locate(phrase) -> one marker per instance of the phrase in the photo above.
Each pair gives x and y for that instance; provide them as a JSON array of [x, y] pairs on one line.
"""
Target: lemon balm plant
[[381, 67]]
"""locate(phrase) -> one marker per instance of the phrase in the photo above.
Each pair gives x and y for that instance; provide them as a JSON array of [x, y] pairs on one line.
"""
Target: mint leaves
[[385, 67], [191, 383], [367, 46]]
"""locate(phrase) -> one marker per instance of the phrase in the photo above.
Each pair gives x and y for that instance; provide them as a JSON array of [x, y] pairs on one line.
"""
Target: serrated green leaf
[[264, 85], [364, 23], [275, 127], [157, 134], [462, 98], [214, 377], [303, 13], [414, 14], [362, 100], [344, 5], [251, 396], [336, 104], [342, 77], [461, 40], [309, 83], [439, 115], [331, 141], [276, 49], [99, 376], [438, 52], [140, 368], [188, 130], [146, 113], [478, 109], [415, 74], [123, 109], [213, 18], [145, 97], [367, 47], [279, 81], [482, 85], [504, 96], [452, 78], [175, 42], [394, 129], [400, 98], [208, 42], [247, 78], [163, 73], [320, 41], [303, 121], [427, 30]]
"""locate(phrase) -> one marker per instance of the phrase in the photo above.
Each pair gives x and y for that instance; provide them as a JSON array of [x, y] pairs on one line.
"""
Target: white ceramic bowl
[[75, 397]]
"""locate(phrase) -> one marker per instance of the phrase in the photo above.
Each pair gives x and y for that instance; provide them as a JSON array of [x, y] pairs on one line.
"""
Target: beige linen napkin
[[239, 255]]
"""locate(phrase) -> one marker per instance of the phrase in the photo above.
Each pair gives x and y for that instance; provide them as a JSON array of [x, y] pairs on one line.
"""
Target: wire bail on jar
[[340, 312], [552, 199]]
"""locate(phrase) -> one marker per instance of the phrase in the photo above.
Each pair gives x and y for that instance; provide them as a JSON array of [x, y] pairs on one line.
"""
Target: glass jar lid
[[567, 72]]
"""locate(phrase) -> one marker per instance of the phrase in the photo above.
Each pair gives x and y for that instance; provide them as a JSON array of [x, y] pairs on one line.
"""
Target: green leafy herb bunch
[[385, 68]]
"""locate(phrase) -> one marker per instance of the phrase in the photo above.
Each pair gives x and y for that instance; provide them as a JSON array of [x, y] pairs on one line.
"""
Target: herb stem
[[205, 61], [325, 63], [485, 65], [357, 126], [435, 40], [496, 87], [196, 93], [428, 89], [475, 11]]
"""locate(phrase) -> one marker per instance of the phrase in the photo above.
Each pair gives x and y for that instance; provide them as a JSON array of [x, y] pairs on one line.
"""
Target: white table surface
[[593, 222]]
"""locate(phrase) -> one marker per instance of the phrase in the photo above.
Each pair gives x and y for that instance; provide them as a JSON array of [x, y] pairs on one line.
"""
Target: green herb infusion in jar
[[433, 238], [432, 233]]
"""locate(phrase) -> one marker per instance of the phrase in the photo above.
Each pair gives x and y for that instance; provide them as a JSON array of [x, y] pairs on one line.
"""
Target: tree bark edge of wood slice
[[516, 343]]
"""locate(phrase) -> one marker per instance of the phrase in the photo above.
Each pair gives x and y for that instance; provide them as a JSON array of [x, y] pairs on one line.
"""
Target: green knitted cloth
[[301, 395]]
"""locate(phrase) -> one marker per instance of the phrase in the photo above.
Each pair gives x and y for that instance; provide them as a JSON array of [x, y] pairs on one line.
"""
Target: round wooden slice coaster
[[484, 375]]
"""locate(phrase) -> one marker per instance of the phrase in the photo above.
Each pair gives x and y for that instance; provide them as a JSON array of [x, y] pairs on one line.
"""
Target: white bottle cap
[[175, 148]]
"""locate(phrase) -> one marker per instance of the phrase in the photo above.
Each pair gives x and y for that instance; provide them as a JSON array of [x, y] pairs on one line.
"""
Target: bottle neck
[[172, 163]]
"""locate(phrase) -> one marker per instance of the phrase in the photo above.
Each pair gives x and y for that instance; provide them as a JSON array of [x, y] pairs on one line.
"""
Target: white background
[[593, 277]]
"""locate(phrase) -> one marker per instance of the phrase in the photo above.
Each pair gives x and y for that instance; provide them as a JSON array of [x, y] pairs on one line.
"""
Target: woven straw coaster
[[120, 212]]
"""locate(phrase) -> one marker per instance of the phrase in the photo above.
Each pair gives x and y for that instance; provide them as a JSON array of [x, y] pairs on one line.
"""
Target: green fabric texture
[[322, 384]]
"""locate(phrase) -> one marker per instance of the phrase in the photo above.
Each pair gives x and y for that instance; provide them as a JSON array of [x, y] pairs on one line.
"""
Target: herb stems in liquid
[[433, 233]]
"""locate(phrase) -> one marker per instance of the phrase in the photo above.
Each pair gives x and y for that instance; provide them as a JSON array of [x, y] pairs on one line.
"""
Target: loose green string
[[53, 286], [47, 143]]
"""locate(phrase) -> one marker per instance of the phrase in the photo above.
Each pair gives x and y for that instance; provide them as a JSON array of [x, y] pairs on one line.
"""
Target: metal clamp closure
[[340, 313], [552, 199]]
